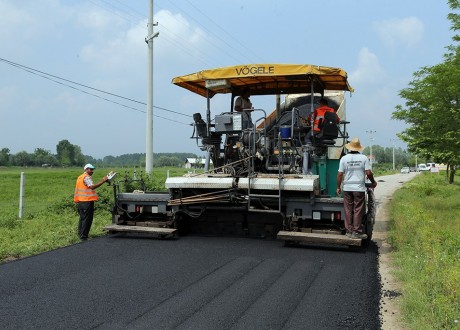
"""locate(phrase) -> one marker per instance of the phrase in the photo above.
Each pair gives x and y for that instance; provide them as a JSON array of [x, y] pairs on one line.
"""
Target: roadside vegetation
[[425, 233], [50, 217], [381, 169]]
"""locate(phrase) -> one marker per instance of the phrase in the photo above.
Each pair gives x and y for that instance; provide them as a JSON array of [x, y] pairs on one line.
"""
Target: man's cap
[[354, 145], [88, 166]]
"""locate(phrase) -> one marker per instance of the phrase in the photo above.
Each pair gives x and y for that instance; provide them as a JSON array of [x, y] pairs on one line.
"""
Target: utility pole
[[393, 141], [371, 138], [149, 126]]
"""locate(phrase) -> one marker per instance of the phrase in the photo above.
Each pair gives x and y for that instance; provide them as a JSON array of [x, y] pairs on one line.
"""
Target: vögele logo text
[[246, 70]]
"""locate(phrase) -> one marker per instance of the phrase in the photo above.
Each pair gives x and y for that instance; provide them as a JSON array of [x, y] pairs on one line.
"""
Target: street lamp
[[371, 138]]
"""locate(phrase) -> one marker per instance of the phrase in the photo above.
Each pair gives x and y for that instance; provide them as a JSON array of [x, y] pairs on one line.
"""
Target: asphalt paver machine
[[266, 174]]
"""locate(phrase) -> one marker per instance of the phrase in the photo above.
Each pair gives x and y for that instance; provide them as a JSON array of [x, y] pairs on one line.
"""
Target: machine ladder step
[[264, 196], [294, 236], [155, 231], [263, 211]]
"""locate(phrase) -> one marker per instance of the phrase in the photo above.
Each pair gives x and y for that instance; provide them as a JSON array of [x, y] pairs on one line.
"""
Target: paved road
[[192, 283]]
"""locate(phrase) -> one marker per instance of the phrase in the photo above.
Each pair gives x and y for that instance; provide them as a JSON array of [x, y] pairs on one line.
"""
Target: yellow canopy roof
[[265, 79]]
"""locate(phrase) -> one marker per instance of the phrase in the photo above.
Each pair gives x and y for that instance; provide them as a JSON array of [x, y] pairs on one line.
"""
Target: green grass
[[49, 217], [425, 232]]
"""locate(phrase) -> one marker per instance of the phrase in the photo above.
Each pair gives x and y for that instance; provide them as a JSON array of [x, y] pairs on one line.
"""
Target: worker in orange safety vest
[[85, 196], [318, 115]]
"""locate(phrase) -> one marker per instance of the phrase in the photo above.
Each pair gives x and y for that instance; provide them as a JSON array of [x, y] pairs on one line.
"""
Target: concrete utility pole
[[393, 140], [371, 138], [21, 194], [149, 128]]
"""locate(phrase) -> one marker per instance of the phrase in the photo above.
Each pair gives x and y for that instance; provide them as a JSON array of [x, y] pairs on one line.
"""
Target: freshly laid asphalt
[[193, 282]]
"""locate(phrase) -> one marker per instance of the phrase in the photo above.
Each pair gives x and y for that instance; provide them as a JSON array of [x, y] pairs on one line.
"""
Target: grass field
[[425, 232], [49, 215]]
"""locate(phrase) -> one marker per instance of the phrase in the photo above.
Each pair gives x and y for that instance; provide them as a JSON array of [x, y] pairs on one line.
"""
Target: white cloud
[[178, 38], [125, 47], [121, 50], [95, 19], [32, 21], [400, 32], [369, 69], [12, 18]]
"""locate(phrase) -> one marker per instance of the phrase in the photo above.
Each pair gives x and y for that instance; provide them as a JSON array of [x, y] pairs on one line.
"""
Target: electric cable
[[56, 80], [223, 30], [174, 39], [213, 44]]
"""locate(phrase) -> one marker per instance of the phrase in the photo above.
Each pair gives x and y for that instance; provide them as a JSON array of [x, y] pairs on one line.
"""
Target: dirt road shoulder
[[390, 311]]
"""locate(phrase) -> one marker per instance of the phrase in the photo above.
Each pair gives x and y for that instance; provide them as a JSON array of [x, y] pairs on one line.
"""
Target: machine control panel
[[229, 123]]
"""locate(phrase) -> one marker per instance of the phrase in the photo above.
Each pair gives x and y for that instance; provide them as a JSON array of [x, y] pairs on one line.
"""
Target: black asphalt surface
[[191, 283]]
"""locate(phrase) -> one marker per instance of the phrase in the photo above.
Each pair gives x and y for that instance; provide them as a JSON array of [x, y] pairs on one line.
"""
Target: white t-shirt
[[353, 167]]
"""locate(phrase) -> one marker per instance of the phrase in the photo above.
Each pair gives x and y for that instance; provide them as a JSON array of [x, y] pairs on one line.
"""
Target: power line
[[230, 54], [141, 15], [174, 39], [126, 12], [53, 78], [183, 43], [113, 9], [222, 29]]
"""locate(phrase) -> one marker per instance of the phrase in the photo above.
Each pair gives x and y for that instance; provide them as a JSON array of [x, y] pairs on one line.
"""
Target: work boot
[[358, 235]]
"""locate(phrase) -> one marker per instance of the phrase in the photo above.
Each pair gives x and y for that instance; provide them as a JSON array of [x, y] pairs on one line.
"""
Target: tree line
[[68, 155], [384, 156], [432, 106]]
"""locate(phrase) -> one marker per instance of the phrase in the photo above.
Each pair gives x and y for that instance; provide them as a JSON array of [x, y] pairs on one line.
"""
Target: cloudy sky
[[76, 70]]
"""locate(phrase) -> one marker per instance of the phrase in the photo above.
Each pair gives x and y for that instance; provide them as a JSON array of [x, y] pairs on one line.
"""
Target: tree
[[4, 157], [432, 107], [79, 159], [22, 158], [69, 154], [384, 156], [168, 161], [65, 153], [42, 156]]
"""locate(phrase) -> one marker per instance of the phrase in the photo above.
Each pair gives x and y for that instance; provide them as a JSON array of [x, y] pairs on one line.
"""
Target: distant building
[[195, 162], [372, 159]]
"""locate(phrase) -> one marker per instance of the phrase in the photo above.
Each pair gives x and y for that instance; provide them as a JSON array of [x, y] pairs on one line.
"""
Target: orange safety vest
[[319, 116], [82, 192]]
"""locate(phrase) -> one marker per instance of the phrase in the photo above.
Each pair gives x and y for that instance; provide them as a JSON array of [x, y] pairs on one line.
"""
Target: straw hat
[[354, 145]]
